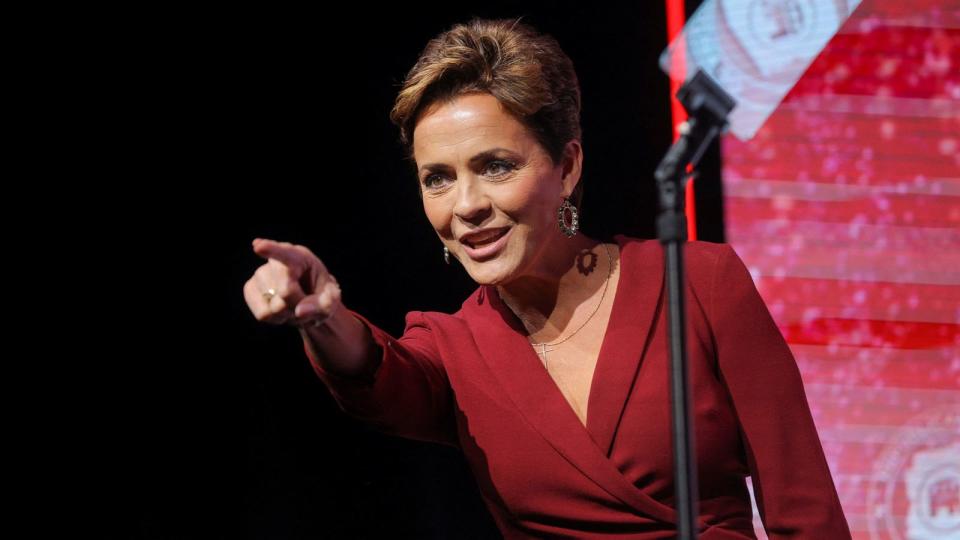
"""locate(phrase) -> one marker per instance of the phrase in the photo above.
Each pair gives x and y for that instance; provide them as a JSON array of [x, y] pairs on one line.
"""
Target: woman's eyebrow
[[433, 167], [487, 155], [474, 161], [481, 157]]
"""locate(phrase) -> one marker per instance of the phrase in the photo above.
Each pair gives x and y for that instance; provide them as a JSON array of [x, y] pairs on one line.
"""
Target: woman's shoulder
[[709, 255], [434, 319], [697, 253], [704, 261]]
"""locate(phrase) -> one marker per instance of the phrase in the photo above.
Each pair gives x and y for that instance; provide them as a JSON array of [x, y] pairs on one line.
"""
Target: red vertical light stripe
[[676, 17]]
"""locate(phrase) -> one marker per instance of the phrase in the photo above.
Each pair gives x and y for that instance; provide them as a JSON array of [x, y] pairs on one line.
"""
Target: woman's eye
[[499, 167], [432, 181]]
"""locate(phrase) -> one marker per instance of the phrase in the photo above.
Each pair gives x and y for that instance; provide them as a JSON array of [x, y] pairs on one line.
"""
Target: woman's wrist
[[341, 342]]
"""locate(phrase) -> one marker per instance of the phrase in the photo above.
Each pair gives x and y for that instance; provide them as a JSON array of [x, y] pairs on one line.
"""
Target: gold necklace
[[543, 346]]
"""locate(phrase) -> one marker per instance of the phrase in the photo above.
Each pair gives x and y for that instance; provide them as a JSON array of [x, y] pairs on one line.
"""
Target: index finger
[[282, 251]]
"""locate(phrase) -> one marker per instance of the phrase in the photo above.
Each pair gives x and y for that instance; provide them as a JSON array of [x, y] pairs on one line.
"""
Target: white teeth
[[486, 239]]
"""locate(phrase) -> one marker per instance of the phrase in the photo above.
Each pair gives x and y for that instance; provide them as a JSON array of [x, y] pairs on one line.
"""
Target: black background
[[238, 124]]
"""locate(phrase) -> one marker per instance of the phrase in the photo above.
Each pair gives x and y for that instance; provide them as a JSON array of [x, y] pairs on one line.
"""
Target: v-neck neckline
[[504, 348], [515, 323]]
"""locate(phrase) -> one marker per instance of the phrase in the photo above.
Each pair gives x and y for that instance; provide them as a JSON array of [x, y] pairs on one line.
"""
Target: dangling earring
[[571, 229], [446, 255]]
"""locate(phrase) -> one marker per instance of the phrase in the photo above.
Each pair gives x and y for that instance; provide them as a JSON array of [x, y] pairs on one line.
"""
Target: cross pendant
[[543, 350]]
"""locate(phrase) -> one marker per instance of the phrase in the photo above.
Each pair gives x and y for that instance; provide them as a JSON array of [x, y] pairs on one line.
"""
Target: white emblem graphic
[[914, 491], [756, 49], [933, 487]]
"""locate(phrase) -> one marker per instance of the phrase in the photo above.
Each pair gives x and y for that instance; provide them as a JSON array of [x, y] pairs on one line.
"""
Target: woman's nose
[[472, 203]]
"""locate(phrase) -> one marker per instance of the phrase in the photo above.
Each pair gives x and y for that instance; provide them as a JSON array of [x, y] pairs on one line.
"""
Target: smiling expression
[[479, 169]]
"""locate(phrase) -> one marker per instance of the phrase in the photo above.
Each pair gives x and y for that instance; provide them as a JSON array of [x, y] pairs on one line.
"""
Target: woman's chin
[[487, 273]]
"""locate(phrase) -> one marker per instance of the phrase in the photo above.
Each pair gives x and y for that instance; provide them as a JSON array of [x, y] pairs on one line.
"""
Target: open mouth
[[488, 240]]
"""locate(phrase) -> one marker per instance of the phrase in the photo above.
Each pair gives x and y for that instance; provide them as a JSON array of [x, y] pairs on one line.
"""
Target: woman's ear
[[571, 163]]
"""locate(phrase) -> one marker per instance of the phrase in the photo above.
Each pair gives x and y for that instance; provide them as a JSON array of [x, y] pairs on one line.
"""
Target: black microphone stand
[[707, 106]]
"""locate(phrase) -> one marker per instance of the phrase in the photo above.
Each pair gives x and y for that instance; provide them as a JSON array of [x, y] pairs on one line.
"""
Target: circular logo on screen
[[781, 26], [770, 40], [914, 491]]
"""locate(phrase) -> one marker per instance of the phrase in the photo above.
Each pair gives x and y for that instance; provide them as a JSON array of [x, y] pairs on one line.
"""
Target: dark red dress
[[472, 380]]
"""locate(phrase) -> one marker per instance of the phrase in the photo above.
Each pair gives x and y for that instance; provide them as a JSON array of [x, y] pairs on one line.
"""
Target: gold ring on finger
[[268, 296]]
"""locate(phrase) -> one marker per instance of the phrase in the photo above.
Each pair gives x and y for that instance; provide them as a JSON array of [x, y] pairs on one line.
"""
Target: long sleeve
[[795, 493], [408, 394]]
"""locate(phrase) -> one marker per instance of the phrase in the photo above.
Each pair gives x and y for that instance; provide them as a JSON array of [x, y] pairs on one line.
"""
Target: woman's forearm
[[342, 344]]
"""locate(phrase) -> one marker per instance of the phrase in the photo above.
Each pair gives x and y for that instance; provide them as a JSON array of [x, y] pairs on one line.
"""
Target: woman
[[552, 377]]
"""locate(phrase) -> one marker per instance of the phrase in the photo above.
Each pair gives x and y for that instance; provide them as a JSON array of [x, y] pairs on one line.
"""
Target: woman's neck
[[569, 271]]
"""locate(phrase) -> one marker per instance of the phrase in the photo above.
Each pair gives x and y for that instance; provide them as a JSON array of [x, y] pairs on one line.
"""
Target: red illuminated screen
[[846, 209]]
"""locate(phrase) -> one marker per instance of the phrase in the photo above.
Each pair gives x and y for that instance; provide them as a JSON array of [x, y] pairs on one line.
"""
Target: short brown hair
[[525, 70]]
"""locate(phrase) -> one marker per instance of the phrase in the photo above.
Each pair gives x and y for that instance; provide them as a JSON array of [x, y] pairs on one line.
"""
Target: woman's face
[[490, 190]]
